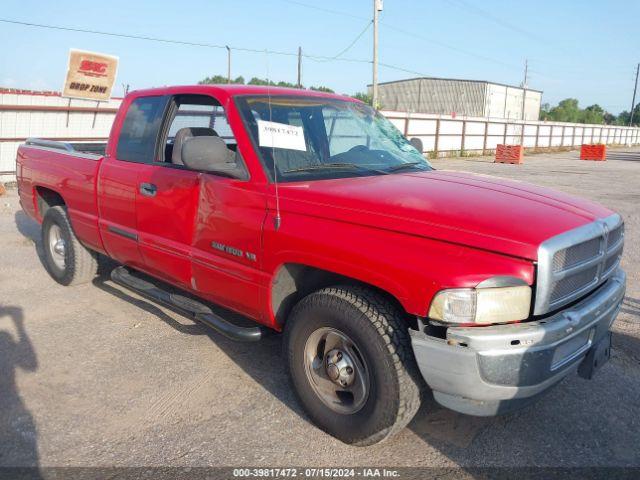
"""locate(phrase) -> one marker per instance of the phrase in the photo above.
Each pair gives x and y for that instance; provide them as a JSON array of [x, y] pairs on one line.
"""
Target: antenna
[[277, 219]]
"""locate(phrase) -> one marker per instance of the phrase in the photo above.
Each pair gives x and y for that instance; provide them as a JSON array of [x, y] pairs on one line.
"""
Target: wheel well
[[294, 281], [47, 198]]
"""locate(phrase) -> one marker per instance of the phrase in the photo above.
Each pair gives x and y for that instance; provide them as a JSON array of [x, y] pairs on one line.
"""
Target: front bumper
[[496, 369]]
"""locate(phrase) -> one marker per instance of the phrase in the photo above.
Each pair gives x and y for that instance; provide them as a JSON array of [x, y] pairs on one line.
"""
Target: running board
[[187, 306]]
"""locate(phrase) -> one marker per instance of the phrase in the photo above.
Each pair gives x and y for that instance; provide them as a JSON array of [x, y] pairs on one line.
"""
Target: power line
[[355, 40], [633, 102], [326, 10], [190, 43], [337, 57], [450, 47], [377, 8], [402, 69], [488, 15], [141, 37], [348, 47], [408, 33], [185, 42]]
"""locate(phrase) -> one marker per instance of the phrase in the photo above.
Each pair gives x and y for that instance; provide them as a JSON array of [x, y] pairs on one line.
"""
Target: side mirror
[[417, 144], [210, 154]]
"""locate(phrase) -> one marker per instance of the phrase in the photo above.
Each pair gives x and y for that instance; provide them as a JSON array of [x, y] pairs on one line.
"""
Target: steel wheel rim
[[57, 246], [336, 370]]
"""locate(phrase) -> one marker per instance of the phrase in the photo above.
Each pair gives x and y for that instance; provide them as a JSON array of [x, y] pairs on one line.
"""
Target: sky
[[582, 49]]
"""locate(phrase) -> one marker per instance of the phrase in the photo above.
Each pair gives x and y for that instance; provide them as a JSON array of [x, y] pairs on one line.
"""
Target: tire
[[70, 263], [379, 343]]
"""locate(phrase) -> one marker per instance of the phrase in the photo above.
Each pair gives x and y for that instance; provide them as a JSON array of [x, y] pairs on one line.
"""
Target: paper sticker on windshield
[[281, 135]]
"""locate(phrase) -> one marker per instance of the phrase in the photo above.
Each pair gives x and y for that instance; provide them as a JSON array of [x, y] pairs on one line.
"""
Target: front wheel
[[66, 259], [351, 364]]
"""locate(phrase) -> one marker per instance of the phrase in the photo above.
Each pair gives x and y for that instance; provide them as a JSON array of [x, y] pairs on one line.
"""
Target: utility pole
[[299, 67], [633, 102], [377, 7], [228, 64], [524, 86]]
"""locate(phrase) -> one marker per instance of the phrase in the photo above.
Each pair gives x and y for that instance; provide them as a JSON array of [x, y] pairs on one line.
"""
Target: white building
[[447, 96], [26, 113]]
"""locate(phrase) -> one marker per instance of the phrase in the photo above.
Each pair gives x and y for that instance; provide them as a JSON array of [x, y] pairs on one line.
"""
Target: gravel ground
[[96, 376]]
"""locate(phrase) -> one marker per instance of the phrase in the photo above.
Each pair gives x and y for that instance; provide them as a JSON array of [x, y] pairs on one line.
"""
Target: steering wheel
[[358, 148]]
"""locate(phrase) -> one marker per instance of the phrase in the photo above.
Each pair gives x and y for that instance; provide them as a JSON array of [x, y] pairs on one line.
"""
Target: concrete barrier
[[596, 152], [509, 154]]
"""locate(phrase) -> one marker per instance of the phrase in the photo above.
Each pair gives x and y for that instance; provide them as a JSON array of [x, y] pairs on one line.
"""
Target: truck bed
[[46, 168], [94, 148]]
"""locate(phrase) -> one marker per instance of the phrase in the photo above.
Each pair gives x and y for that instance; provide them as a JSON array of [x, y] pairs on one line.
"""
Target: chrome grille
[[577, 254], [568, 285], [574, 263], [615, 236], [612, 263]]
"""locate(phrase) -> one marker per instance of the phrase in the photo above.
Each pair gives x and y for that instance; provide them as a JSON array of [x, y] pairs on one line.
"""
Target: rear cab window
[[140, 130], [202, 116]]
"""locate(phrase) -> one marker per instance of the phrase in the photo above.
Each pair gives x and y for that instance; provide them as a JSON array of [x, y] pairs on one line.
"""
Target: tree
[[322, 88], [636, 115], [593, 114], [286, 84], [220, 79], [624, 117], [609, 118], [363, 97], [264, 82], [568, 110], [545, 111], [259, 81]]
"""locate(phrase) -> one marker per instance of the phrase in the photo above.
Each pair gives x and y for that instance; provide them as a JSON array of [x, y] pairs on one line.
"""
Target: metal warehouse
[[446, 96]]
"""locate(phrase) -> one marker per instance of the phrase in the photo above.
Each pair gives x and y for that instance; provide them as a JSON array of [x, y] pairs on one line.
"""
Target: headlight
[[482, 305]]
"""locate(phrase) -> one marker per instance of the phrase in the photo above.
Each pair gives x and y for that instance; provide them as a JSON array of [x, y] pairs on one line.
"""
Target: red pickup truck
[[310, 214]]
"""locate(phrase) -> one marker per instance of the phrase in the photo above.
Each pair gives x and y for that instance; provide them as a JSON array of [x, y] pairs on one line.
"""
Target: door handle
[[148, 189]]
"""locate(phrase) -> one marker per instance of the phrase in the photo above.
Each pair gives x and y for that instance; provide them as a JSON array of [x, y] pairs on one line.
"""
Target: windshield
[[318, 138]]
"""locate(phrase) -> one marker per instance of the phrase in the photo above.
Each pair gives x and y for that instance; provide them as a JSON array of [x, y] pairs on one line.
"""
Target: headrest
[[185, 133]]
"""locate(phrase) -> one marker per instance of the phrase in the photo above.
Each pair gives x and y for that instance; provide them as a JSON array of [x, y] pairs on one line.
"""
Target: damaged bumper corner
[[496, 369]]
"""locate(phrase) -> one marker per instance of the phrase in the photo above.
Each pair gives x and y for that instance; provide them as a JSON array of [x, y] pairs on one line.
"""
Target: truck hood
[[504, 216]]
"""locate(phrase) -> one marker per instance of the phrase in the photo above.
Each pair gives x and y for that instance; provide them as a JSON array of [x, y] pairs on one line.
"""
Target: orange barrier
[[509, 154], [597, 152]]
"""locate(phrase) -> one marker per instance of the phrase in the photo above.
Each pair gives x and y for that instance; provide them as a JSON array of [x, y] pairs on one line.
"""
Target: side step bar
[[187, 306]]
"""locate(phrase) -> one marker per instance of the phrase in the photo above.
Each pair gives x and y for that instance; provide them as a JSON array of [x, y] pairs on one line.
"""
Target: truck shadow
[[30, 229], [261, 361], [579, 422], [18, 433], [576, 412]]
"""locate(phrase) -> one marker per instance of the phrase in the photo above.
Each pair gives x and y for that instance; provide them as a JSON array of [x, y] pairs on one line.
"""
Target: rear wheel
[[351, 363], [66, 259]]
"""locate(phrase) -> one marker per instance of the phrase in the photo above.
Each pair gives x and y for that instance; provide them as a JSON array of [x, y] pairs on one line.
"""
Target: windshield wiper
[[331, 166], [402, 166]]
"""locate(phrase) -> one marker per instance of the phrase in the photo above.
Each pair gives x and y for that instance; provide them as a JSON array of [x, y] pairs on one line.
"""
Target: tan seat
[[183, 135]]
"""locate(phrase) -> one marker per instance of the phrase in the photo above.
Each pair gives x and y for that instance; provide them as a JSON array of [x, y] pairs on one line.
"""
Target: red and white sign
[[90, 75]]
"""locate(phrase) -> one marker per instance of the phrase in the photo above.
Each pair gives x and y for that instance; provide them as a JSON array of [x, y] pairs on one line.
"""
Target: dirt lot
[[94, 375]]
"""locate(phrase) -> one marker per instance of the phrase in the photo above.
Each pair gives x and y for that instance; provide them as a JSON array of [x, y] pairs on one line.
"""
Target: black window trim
[[157, 139], [170, 112]]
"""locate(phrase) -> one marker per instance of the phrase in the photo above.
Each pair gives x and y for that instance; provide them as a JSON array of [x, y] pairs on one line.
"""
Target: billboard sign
[[90, 75]]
